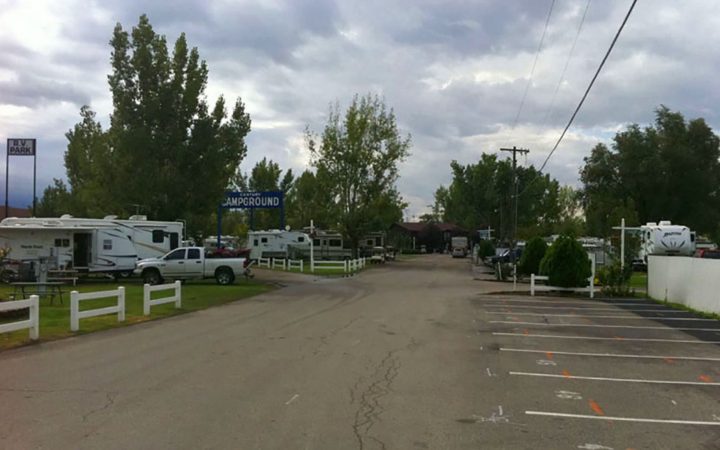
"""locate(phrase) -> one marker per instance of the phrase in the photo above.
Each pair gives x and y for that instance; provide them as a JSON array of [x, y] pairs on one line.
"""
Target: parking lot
[[600, 374]]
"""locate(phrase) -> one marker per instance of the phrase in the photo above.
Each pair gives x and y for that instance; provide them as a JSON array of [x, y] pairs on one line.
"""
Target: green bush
[[566, 263], [615, 280], [534, 252], [486, 248]]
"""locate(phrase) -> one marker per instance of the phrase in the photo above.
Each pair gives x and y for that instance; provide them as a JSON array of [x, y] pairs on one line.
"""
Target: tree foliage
[[167, 151], [666, 171], [480, 195], [356, 159], [566, 263], [56, 200], [535, 250]]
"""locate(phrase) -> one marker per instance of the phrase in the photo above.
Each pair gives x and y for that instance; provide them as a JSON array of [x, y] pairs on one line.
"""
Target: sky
[[454, 71]]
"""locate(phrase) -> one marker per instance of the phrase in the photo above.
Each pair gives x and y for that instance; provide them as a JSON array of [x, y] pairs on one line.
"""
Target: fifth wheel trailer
[[108, 245]]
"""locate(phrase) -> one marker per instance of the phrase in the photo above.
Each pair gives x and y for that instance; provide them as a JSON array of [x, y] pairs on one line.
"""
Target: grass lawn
[[638, 280], [55, 319]]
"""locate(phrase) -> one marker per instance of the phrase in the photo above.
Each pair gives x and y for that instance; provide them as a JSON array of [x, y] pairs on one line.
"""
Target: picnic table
[[47, 288], [63, 275]]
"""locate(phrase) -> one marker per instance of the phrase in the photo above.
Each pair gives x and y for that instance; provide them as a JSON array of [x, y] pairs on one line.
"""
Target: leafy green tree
[[566, 263], [666, 171], [534, 253], [357, 157], [166, 148], [310, 200], [481, 195], [56, 200]]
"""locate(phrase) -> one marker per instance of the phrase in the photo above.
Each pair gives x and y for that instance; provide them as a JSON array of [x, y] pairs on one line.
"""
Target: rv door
[[82, 250]]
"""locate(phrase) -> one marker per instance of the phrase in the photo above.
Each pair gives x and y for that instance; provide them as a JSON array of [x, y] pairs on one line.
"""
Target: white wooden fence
[[33, 322], [296, 264], [175, 298], [541, 287], [76, 298], [278, 262], [264, 262], [347, 266]]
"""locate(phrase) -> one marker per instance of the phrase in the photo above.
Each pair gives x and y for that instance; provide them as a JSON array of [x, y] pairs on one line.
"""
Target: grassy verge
[[55, 319], [680, 306], [638, 280]]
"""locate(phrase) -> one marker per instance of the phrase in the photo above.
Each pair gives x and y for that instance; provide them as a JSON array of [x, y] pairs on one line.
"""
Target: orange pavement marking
[[566, 374], [705, 378], [669, 360], [595, 407], [549, 355]]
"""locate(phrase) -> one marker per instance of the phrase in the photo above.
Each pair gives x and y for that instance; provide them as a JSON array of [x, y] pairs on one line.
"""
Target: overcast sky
[[454, 72]]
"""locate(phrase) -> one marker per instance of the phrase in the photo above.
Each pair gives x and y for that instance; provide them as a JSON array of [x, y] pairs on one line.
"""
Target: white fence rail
[[541, 287], [264, 262], [276, 262], [32, 323], [175, 298], [76, 298], [347, 266], [296, 264]]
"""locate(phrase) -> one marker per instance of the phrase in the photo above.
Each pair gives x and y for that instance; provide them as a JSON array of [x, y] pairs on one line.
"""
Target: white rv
[[108, 245], [278, 244], [665, 238]]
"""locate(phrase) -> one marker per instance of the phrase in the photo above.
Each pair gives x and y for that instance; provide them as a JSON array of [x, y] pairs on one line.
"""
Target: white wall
[[694, 282]]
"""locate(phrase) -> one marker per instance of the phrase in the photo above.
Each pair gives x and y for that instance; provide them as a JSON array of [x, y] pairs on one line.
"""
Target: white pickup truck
[[186, 263]]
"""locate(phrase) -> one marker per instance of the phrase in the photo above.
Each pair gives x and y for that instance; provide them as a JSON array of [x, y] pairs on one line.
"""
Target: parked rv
[[459, 246], [664, 238], [108, 245], [278, 244], [187, 263]]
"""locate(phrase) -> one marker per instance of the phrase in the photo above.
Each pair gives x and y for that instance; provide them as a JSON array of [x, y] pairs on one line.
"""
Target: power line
[[532, 71], [582, 100], [567, 64]]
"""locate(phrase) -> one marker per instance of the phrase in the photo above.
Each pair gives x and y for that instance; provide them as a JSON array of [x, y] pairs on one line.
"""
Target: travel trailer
[[108, 245], [278, 244], [664, 238]]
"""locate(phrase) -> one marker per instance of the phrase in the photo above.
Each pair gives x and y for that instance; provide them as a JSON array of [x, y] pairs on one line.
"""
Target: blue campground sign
[[253, 200]]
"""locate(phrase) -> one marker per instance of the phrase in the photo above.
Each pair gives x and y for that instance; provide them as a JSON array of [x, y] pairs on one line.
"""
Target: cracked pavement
[[377, 361]]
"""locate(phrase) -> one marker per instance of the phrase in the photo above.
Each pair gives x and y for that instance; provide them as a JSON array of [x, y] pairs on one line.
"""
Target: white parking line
[[624, 380], [601, 317], [558, 306], [673, 311], [616, 339], [621, 419], [609, 355], [543, 324]]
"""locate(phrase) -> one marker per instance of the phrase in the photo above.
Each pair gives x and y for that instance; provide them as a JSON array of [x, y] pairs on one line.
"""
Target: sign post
[[20, 147]]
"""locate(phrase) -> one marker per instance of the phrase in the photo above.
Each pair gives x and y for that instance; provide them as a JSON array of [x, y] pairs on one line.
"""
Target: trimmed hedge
[[534, 252], [566, 263]]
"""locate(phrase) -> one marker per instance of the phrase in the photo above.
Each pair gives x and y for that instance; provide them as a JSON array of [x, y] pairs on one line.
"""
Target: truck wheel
[[151, 276], [224, 276]]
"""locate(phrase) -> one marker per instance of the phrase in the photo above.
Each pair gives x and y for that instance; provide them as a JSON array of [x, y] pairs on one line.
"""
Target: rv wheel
[[151, 276]]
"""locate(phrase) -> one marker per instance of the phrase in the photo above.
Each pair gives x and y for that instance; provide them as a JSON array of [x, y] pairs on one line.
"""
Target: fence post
[[592, 276], [178, 294], [302, 262], [532, 285], [74, 305], [346, 266], [146, 299], [121, 304], [35, 317]]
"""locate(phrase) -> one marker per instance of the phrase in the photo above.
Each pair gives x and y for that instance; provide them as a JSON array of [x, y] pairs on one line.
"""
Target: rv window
[[255, 242], [370, 242], [177, 254], [107, 244], [158, 236], [316, 242], [193, 253], [58, 242], [263, 240], [335, 243], [301, 239], [66, 242]]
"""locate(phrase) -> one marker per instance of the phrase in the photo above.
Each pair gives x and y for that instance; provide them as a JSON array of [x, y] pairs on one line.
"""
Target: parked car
[[378, 255], [710, 253], [188, 263], [507, 256]]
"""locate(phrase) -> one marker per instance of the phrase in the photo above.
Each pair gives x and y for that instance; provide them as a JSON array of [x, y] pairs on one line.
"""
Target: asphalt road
[[413, 355]]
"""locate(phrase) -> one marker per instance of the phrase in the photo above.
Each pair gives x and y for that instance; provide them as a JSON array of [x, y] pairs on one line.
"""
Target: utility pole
[[515, 151]]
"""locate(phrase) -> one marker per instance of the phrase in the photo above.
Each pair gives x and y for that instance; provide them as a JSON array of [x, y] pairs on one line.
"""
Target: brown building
[[434, 236], [15, 212]]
